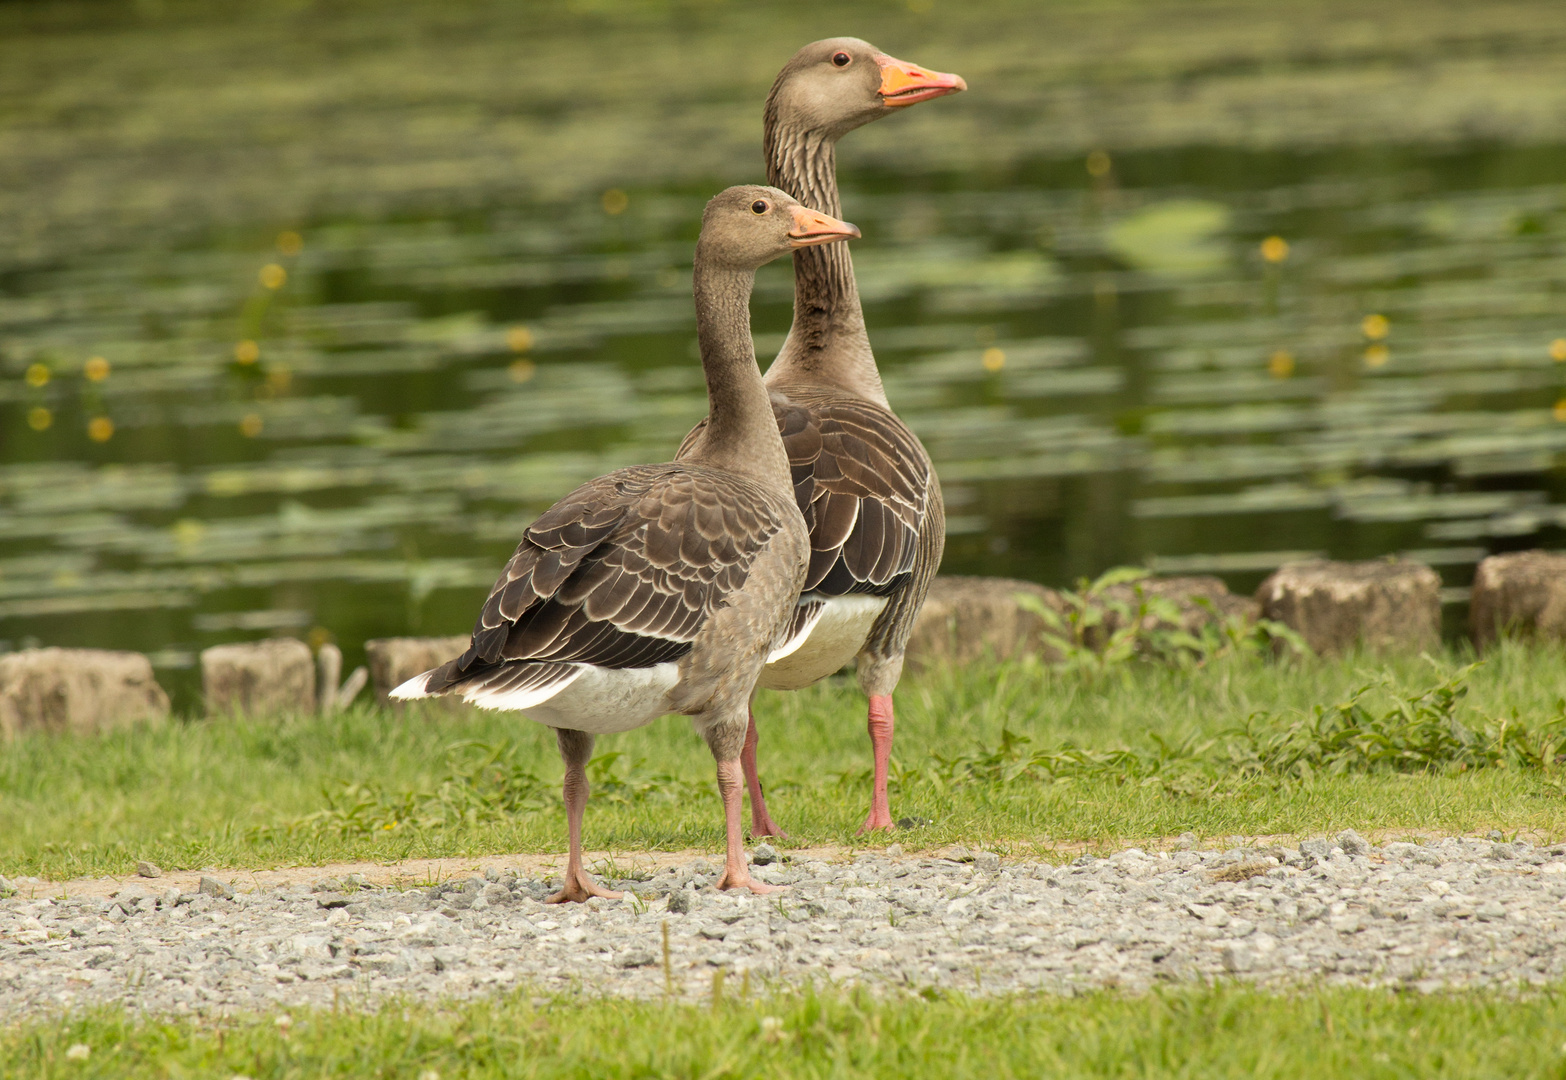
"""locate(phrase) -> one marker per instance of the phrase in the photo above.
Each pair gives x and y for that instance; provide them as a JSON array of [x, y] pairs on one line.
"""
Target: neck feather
[[741, 434], [827, 342]]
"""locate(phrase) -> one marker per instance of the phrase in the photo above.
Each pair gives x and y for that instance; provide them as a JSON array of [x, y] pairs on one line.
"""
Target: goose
[[864, 482], [661, 588]]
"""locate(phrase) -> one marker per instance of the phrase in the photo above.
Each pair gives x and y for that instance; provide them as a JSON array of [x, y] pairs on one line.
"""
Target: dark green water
[[1106, 370]]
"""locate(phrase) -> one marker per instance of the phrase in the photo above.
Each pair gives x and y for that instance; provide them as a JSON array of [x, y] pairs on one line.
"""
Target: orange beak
[[811, 228], [903, 83]]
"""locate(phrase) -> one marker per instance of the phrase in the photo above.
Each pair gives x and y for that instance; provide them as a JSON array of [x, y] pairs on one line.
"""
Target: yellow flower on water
[[39, 418], [521, 370], [615, 201], [1280, 365], [37, 375], [1558, 350], [96, 369], [1098, 163], [1275, 249], [1376, 356], [247, 352], [1559, 412], [519, 339], [100, 429], [1375, 326], [273, 276], [994, 359], [251, 425], [290, 242]]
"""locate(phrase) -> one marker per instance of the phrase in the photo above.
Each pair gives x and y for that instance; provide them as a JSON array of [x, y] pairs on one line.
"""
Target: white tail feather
[[413, 689], [516, 700]]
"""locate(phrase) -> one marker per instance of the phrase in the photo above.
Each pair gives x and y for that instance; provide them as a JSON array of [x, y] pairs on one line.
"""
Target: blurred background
[[307, 308]]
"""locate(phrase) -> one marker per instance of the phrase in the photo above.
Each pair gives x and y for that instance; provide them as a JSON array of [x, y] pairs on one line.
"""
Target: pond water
[[1204, 360]]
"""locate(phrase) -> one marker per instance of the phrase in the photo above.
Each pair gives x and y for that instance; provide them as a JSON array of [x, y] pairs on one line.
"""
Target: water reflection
[[1208, 362]]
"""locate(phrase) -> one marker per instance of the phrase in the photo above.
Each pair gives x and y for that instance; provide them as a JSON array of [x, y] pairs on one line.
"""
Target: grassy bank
[[1215, 1032], [1015, 756]]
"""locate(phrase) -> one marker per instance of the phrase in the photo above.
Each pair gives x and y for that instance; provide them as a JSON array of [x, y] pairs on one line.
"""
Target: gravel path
[[1454, 912]]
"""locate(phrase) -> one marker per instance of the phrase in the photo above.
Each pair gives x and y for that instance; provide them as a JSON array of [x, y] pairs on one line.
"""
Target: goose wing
[[621, 573], [862, 482]]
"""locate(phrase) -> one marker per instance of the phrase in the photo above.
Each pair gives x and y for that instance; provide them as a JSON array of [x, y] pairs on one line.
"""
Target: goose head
[[839, 84], [746, 227]]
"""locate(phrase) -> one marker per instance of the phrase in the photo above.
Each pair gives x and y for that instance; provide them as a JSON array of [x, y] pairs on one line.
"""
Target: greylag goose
[[661, 588], [863, 480]]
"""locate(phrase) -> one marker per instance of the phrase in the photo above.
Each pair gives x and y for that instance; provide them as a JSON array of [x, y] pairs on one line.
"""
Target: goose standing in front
[[864, 482], [661, 588]]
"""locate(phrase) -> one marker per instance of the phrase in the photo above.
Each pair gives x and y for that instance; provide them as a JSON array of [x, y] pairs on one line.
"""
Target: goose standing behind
[[661, 588], [864, 482]]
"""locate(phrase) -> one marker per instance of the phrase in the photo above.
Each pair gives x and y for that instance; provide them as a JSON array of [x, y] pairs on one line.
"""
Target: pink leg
[[761, 823], [578, 886], [880, 725], [736, 874]]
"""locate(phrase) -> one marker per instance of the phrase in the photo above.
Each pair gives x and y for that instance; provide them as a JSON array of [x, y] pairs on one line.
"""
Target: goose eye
[[760, 206], [842, 59]]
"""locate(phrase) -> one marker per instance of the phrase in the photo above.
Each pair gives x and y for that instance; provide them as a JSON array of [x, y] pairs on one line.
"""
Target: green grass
[[1220, 1031], [269, 792]]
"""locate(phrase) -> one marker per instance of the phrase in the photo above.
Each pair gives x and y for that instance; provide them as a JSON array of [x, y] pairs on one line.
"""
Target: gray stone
[[965, 618], [764, 855], [680, 901], [1338, 606], [1316, 849], [1352, 843], [211, 886], [394, 661], [77, 690], [148, 870], [987, 861], [329, 669], [636, 958], [259, 678], [1522, 594]]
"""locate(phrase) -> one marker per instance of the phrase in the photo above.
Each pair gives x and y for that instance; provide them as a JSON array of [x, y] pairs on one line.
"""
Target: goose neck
[[741, 434], [827, 342]]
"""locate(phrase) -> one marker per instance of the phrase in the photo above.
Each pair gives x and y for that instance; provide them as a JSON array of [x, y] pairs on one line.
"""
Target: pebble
[[1447, 914]]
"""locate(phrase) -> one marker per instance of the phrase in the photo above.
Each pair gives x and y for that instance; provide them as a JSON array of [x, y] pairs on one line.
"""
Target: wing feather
[[862, 481], [623, 572]]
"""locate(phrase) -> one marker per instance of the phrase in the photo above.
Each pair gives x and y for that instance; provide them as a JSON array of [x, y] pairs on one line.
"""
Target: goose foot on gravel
[[736, 873]]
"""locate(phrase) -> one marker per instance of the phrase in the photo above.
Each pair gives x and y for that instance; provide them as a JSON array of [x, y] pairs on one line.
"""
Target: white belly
[[602, 700], [833, 642]]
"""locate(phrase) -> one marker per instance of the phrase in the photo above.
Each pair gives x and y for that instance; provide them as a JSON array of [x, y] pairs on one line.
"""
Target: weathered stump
[[1335, 606], [257, 677], [1522, 594], [77, 690], [394, 661], [1199, 602], [965, 618]]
